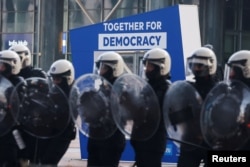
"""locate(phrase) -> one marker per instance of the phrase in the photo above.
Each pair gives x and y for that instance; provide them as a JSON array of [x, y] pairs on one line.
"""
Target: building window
[[18, 18], [237, 26], [97, 11]]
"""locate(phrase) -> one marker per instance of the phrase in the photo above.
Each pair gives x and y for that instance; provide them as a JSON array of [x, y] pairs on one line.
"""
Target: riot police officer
[[203, 64], [47, 141], [157, 65], [107, 152], [238, 68], [44, 115], [51, 150], [27, 71], [238, 64], [10, 66]]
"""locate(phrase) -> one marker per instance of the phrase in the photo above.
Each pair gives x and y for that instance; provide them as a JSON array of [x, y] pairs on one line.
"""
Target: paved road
[[72, 157]]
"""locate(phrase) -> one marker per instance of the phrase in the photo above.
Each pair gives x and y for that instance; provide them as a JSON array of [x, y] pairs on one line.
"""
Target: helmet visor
[[199, 66], [234, 71], [22, 55], [103, 69]]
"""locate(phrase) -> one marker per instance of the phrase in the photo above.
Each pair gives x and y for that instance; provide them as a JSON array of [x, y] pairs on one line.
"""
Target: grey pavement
[[72, 158]]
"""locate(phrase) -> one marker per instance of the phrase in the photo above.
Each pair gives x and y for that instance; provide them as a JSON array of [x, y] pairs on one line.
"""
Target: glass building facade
[[44, 24]]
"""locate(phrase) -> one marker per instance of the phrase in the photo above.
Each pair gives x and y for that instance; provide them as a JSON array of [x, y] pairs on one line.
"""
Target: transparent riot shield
[[135, 107], [43, 109], [181, 111], [225, 116], [8, 108], [90, 106]]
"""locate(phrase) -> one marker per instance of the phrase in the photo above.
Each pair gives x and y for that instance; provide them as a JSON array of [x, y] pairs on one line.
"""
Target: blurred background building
[[44, 24]]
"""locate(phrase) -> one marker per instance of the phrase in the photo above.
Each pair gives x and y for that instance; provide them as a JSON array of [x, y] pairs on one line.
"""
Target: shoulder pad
[[38, 72], [16, 79]]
